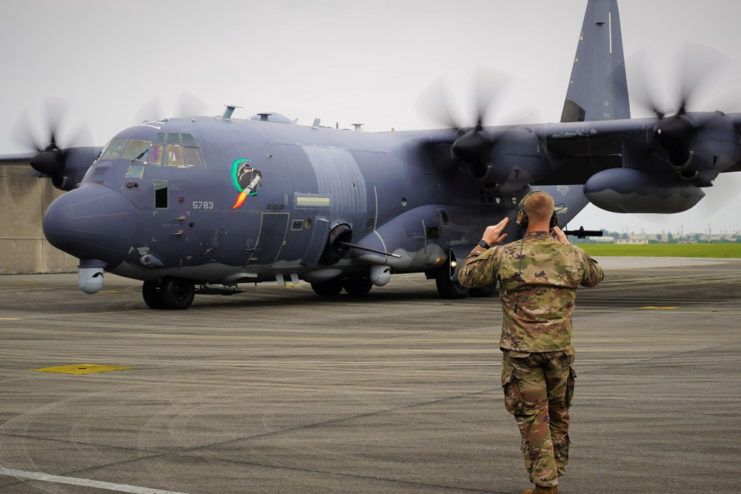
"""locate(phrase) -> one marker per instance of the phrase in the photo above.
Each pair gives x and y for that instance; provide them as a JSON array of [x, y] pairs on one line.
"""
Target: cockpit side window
[[188, 141], [191, 151], [192, 157], [113, 150]]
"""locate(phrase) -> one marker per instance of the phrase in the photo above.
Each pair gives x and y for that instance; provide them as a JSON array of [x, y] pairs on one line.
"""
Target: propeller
[[50, 159], [675, 131], [506, 158], [471, 144]]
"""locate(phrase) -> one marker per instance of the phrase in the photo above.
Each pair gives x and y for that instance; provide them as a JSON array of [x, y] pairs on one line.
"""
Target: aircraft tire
[[329, 288], [151, 294], [448, 288], [357, 287], [176, 294]]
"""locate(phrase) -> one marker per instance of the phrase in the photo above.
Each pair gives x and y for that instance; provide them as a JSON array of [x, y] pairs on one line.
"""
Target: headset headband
[[522, 220]]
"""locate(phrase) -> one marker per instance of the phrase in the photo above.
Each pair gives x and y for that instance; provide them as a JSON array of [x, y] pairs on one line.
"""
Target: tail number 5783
[[203, 204]]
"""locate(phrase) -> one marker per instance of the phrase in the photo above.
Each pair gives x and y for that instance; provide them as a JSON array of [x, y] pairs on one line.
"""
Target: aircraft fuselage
[[216, 200]]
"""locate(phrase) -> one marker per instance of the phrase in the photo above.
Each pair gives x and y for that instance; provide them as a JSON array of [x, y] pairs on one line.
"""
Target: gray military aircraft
[[201, 204]]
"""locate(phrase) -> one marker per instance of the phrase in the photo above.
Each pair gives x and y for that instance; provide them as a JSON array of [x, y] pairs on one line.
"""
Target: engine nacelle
[[716, 147], [77, 163], [698, 146], [626, 190], [517, 159]]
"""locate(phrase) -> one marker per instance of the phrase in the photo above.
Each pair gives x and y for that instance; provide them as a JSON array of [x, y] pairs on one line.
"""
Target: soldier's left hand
[[559, 235]]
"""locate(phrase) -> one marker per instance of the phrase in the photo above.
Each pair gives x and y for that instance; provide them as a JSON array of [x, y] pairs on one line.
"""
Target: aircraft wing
[[16, 158], [578, 151], [654, 165], [695, 147], [650, 165], [65, 167]]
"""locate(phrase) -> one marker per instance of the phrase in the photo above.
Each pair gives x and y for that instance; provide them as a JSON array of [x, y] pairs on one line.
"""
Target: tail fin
[[598, 89]]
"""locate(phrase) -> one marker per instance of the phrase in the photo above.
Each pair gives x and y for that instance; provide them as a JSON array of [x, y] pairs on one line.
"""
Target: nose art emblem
[[246, 180]]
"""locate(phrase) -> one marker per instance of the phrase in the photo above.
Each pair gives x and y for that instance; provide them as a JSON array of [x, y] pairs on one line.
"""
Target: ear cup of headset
[[522, 219]]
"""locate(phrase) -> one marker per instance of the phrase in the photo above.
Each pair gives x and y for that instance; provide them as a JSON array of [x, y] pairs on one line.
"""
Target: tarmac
[[278, 390]]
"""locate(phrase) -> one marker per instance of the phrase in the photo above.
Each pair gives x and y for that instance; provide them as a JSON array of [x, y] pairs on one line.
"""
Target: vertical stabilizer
[[598, 89]]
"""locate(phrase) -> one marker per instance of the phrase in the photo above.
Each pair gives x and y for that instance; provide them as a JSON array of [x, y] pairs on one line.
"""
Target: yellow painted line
[[113, 291], [10, 318], [81, 369], [659, 307]]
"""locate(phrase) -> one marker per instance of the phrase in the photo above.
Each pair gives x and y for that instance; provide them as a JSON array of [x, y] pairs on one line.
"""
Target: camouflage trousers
[[538, 388]]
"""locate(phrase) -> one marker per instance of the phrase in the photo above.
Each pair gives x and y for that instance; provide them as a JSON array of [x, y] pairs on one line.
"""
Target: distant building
[[634, 240], [602, 240], [23, 247]]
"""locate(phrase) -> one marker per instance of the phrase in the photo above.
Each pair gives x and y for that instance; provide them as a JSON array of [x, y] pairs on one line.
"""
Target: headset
[[522, 219]]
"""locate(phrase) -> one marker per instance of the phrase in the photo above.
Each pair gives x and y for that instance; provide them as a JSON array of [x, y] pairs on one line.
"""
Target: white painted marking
[[375, 219], [609, 26], [56, 479], [381, 239]]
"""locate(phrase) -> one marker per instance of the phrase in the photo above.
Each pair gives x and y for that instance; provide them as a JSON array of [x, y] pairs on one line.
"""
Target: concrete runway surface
[[277, 390]]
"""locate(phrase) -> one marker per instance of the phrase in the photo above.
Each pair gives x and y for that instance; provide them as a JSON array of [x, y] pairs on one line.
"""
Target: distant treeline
[[718, 249], [667, 238]]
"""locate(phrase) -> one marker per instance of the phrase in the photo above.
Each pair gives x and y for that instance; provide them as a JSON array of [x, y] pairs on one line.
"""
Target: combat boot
[[542, 490]]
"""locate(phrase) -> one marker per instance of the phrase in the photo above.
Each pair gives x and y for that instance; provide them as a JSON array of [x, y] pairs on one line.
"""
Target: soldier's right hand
[[493, 233]]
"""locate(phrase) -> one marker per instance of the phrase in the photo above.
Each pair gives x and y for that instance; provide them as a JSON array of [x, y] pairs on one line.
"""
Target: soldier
[[538, 277]]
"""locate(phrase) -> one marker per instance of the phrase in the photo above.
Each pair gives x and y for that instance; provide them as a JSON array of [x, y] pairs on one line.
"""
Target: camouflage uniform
[[538, 278]]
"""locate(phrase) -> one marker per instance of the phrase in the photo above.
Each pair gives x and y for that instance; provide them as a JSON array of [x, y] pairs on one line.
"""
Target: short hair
[[539, 206]]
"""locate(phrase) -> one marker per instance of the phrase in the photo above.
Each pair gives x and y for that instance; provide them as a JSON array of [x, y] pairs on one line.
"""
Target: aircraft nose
[[91, 222]]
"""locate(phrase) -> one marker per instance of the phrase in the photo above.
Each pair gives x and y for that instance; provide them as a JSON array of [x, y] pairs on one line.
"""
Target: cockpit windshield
[[114, 149], [168, 149], [136, 150]]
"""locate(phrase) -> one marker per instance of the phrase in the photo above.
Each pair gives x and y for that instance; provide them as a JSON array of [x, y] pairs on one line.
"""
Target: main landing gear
[[168, 293], [355, 287], [446, 280]]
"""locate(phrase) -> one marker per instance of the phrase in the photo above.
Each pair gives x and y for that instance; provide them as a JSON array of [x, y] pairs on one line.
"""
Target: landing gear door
[[270, 240]]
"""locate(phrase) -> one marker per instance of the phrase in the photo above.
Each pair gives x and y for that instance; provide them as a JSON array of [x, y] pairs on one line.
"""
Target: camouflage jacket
[[538, 277]]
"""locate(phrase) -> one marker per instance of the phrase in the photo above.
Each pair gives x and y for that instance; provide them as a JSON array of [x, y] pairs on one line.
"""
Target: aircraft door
[[170, 218], [270, 240]]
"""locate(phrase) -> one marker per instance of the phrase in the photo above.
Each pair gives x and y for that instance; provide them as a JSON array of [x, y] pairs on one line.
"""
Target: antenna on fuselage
[[229, 111], [358, 127]]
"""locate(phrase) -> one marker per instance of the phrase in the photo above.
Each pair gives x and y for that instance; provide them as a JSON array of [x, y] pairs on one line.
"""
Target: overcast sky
[[345, 61]]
